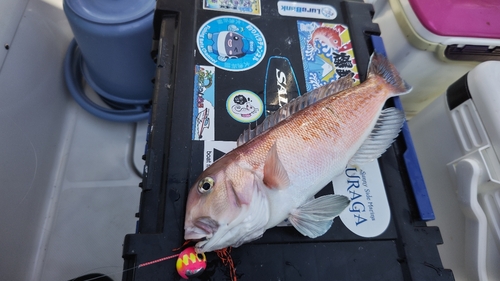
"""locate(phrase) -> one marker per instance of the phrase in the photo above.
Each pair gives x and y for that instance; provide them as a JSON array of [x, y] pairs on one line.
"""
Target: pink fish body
[[326, 35], [273, 175]]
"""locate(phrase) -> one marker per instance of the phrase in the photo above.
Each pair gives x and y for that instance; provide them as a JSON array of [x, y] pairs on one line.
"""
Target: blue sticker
[[231, 43], [239, 6], [244, 106], [204, 103]]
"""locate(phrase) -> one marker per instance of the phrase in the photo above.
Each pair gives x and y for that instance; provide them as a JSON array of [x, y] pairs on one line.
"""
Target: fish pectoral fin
[[275, 175], [315, 217], [382, 136]]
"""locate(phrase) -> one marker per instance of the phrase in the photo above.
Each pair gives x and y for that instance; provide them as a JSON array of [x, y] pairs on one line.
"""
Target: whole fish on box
[[282, 163]]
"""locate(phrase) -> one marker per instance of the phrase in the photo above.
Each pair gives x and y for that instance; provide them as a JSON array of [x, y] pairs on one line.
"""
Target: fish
[[326, 35], [278, 167]]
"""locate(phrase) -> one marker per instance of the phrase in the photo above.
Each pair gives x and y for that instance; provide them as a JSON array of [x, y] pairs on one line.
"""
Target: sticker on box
[[204, 103], [280, 84], [214, 150], [306, 10], [327, 53], [235, 6], [231, 43], [244, 106], [368, 214]]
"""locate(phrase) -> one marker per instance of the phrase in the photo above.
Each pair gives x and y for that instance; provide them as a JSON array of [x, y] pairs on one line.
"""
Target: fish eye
[[236, 38], [205, 185]]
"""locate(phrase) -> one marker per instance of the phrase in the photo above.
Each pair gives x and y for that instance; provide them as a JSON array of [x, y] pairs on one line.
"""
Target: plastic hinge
[[410, 156]]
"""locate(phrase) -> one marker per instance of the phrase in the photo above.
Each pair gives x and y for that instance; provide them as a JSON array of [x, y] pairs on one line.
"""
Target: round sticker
[[231, 43], [244, 106]]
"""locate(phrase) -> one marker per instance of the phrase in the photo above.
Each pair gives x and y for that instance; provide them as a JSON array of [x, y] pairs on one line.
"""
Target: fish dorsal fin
[[315, 217], [382, 136], [295, 105]]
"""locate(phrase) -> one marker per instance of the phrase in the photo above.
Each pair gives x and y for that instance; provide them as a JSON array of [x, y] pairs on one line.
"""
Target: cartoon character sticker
[[231, 43], [327, 53], [244, 106], [236, 6], [204, 102]]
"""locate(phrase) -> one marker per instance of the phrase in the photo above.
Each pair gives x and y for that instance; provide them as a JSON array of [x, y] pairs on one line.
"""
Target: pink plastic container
[[435, 42]]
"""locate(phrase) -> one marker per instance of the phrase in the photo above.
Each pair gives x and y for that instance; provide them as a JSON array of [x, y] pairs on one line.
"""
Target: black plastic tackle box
[[222, 66]]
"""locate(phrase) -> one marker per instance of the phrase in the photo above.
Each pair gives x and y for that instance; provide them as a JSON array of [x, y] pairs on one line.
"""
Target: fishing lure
[[191, 264]]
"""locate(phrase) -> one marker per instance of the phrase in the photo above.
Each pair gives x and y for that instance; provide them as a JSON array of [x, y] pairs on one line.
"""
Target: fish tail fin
[[380, 65]]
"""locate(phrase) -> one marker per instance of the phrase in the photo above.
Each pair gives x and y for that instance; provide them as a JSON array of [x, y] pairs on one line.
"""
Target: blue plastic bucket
[[114, 38]]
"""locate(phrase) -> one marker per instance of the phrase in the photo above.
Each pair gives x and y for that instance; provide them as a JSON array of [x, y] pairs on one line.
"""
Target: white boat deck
[[69, 184]]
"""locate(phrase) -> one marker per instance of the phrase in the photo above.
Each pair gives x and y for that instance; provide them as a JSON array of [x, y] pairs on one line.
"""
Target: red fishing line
[[223, 254], [157, 261], [165, 258]]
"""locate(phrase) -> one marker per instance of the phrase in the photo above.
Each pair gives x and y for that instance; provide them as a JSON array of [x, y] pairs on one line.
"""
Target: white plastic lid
[[111, 11]]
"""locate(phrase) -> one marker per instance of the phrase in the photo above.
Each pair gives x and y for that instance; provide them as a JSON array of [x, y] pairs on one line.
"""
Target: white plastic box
[[417, 40], [457, 139]]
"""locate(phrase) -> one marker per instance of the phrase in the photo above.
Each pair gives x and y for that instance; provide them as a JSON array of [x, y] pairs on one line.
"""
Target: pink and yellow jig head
[[191, 264]]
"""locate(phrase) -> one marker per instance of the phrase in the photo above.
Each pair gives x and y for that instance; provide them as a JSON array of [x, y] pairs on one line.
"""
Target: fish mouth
[[201, 229]]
